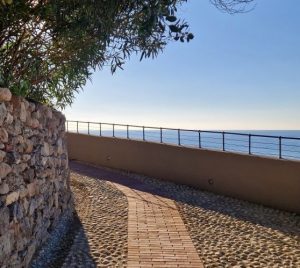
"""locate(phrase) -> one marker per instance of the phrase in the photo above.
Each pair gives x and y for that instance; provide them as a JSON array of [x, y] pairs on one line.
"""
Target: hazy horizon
[[240, 72], [84, 123]]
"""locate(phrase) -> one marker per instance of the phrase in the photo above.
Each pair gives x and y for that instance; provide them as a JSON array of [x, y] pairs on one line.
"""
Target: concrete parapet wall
[[34, 177], [267, 181]]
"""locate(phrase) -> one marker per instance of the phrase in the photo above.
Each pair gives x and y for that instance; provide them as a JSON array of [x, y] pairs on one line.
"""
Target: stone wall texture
[[34, 177]]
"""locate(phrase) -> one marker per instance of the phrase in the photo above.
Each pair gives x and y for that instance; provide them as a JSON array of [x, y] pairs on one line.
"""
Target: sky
[[240, 72]]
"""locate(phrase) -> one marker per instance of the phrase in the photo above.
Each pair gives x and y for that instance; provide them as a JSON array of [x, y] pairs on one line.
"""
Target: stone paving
[[228, 232], [102, 210], [97, 236], [128, 220]]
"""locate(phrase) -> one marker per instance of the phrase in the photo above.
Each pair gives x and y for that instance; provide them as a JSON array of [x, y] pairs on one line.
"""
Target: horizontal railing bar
[[239, 145], [291, 151], [264, 148], [290, 145], [290, 157], [256, 152], [269, 143], [192, 130]]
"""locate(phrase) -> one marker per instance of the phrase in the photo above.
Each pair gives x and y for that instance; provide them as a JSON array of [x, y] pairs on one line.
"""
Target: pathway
[[133, 221], [157, 236]]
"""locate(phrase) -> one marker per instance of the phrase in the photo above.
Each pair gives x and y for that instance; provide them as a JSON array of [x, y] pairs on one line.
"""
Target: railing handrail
[[189, 130], [280, 149]]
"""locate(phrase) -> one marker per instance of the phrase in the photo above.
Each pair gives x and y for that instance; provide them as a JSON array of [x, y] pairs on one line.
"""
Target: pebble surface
[[97, 235], [228, 232], [102, 210]]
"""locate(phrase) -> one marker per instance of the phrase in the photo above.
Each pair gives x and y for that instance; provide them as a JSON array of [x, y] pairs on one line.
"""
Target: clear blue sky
[[240, 72]]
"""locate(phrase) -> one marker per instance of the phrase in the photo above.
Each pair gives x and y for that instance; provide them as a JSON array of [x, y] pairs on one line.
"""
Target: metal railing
[[253, 144]]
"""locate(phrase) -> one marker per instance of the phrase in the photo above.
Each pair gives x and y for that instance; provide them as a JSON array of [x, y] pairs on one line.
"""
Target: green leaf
[[190, 36], [171, 18], [174, 28]]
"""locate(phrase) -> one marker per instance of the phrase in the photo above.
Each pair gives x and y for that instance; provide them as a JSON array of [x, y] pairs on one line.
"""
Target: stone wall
[[34, 177]]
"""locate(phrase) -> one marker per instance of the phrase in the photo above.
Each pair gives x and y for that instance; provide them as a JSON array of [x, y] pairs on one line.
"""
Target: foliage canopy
[[48, 49]]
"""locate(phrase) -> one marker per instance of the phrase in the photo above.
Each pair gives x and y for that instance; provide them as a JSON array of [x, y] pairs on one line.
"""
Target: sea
[[262, 142]]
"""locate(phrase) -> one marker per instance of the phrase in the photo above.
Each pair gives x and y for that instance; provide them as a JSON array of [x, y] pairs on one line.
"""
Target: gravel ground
[[97, 236], [54, 251], [228, 232], [102, 210]]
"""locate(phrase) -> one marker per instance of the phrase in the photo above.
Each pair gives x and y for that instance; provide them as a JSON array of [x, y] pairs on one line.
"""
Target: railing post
[[113, 130], [179, 143], [143, 133], [199, 137], [100, 131], [223, 140], [250, 144], [127, 131], [88, 128], [280, 147], [161, 138], [77, 127]]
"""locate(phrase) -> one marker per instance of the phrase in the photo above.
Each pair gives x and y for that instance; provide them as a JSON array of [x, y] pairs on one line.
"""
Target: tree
[[49, 48]]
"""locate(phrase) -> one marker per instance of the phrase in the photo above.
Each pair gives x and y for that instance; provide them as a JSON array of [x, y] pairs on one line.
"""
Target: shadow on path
[[282, 221]]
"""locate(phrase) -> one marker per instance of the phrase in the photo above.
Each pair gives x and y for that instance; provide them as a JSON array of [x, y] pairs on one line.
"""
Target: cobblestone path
[[229, 232], [128, 220], [102, 210], [97, 236], [157, 236]]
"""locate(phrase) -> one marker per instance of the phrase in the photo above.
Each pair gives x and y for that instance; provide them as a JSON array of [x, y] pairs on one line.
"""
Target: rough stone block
[[3, 112], [32, 189], [23, 192], [5, 245], [35, 123], [18, 212], [9, 118], [5, 169], [3, 135], [4, 220], [5, 94], [45, 149], [19, 168], [26, 157], [30, 252], [32, 206], [25, 205], [12, 197], [23, 113], [28, 144], [56, 200], [4, 188], [2, 155]]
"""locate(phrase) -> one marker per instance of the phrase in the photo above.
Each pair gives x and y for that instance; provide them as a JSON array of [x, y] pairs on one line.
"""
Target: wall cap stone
[[5, 94]]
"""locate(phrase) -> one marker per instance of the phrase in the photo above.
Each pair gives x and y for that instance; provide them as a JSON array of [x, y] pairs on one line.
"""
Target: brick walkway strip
[[157, 236]]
